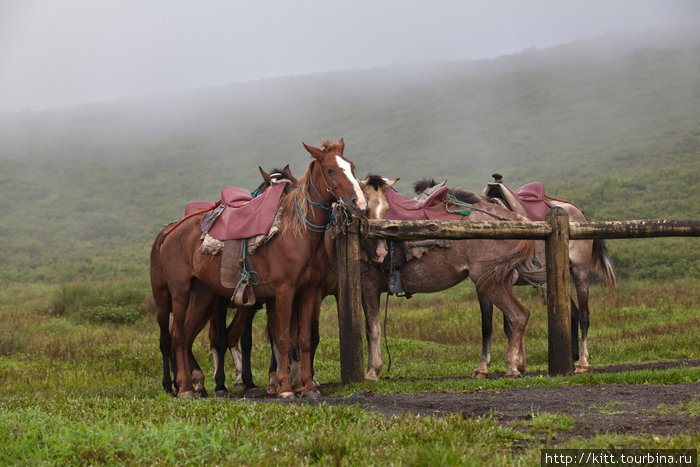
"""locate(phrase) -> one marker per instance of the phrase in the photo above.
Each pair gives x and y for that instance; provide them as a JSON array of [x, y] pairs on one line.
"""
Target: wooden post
[[558, 294], [350, 303]]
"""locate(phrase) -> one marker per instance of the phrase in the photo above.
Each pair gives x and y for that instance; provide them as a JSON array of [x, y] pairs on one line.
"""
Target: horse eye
[[329, 171]]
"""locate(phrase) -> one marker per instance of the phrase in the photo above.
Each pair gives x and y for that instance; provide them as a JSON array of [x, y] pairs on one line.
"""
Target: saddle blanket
[[242, 215]]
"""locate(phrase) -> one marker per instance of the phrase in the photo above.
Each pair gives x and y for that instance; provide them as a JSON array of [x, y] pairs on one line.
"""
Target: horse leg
[[486, 308], [163, 318], [246, 348], [183, 377], [309, 305], [233, 335], [282, 318], [370, 305], [315, 339], [574, 330], [580, 277], [220, 346], [517, 316]]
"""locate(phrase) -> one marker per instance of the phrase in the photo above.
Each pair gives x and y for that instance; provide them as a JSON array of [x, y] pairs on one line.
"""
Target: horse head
[[374, 187], [276, 176], [337, 174], [425, 187]]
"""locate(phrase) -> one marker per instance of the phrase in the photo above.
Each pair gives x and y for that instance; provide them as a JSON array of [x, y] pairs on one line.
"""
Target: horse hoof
[[371, 376], [188, 395], [513, 374], [582, 369], [316, 383], [252, 391], [238, 384], [480, 374], [311, 395], [221, 394], [286, 395]]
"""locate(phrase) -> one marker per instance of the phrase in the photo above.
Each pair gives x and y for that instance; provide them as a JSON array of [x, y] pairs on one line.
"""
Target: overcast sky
[[56, 53]]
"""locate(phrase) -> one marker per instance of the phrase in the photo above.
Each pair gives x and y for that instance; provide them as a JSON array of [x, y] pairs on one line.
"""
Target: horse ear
[[341, 143], [287, 172], [315, 152], [390, 183], [265, 175]]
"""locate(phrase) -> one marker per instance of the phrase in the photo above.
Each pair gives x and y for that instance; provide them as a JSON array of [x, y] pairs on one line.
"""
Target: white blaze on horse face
[[347, 170]]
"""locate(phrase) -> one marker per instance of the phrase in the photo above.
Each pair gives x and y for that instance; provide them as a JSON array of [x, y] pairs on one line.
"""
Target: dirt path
[[616, 408]]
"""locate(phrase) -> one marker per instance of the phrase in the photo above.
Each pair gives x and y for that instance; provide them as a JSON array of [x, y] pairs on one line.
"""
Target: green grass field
[[80, 373]]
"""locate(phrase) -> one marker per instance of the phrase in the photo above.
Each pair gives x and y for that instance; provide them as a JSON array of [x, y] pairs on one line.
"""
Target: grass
[[80, 368]]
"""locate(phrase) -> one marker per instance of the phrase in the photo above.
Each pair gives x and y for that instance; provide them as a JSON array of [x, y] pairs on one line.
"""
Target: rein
[[469, 208]]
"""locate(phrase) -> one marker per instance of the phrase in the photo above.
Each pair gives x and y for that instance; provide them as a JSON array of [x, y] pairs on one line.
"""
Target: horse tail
[[502, 269], [602, 261]]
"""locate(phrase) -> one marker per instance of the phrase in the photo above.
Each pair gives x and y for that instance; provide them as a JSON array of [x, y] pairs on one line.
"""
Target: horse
[[584, 256], [490, 264], [292, 265], [374, 250], [202, 299]]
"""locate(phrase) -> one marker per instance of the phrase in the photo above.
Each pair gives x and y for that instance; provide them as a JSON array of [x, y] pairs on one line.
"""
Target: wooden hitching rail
[[555, 230]]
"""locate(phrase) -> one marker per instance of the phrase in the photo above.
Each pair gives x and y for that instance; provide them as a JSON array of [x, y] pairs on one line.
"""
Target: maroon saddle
[[241, 215], [529, 200], [432, 208]]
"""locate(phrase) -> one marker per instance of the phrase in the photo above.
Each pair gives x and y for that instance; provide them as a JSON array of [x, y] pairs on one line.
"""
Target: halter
[[326, 206]]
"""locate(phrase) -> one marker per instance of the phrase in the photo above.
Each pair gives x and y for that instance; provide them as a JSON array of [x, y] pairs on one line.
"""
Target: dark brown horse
[[201, 299], [584, 256], [491, 264], [292, 266]]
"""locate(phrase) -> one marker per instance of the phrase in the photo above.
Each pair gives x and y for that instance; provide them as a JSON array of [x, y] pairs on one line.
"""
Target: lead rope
[[386, 342]]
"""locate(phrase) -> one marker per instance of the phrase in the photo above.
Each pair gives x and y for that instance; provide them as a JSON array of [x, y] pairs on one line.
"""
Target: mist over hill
[[612, 124]]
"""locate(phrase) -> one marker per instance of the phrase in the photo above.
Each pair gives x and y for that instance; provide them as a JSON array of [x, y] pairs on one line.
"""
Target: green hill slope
[[615, 130]]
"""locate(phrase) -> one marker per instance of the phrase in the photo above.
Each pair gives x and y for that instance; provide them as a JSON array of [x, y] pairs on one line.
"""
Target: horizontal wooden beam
[[645, 228], [455, 230], [537, 230]]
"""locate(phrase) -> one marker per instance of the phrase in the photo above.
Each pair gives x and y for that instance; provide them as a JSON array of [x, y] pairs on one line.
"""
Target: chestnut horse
[[202, 299], [373, 187], [584, 256], [292, 266], [490, 264]]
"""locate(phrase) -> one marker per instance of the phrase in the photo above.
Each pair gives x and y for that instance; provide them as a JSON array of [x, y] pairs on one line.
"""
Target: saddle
[[234, 226], [406, 209], [529, 200], [403, 208]]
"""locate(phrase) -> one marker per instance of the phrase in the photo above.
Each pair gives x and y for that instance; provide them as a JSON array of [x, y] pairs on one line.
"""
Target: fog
[[72, 52]]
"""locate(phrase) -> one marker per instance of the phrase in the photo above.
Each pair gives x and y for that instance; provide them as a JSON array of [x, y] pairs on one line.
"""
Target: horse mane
[[467, 196], [290, 200], [421, 185], [328, 144], [376, 181]]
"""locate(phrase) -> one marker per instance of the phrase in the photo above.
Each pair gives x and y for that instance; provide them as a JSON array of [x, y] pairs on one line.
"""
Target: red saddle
[[533, 200], [406, 209], [242, 215]]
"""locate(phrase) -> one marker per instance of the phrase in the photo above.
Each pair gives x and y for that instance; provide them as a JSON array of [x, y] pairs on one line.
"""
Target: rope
[[470, 207], [386, 342], [245, 274]]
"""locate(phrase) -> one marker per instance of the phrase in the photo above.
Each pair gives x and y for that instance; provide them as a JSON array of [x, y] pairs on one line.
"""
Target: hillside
[[614, 129]]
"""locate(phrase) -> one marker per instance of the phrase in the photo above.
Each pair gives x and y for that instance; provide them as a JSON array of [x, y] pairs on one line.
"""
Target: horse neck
[[307, 210]]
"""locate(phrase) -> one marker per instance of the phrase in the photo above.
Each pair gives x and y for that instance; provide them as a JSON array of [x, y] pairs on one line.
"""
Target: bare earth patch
[[595, 409]]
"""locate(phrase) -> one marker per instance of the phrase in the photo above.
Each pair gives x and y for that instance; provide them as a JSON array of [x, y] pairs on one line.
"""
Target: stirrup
[[244, 295], [395, 284]]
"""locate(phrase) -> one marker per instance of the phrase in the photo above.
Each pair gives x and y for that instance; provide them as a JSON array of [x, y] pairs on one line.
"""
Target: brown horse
[[491, 265], [292, 265], [201, 299], [373, 187], [584, 256]]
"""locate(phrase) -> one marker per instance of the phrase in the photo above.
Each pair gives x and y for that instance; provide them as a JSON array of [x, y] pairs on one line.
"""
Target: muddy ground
[[595, 409]]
